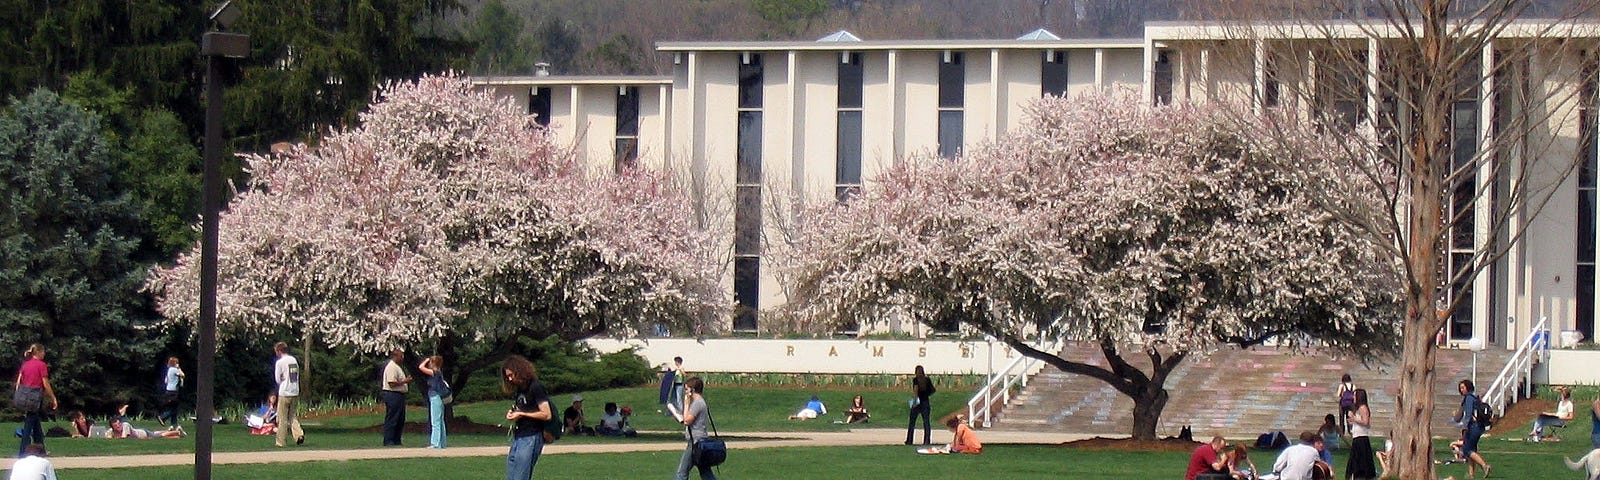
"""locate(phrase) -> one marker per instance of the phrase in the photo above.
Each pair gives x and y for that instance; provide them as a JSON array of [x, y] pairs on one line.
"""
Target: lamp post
[[1476, 344], [213, 44]]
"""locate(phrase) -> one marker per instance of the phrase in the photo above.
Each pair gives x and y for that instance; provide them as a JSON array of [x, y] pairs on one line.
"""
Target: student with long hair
[[1360, 465], [35, 375], [529, 412], [922, 387], [433, 367]]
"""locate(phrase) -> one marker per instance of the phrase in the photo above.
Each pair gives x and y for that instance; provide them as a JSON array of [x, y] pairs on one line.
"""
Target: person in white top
[[1360, 465], [172, 379], [1296, 462], [1558, 418], [286, 372], [33, 465]]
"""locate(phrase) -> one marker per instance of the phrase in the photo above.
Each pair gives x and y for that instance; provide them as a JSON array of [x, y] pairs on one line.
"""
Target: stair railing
[[1519, 370], [997, 391]]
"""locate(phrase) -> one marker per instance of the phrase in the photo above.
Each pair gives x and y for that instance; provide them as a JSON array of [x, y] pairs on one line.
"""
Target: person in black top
[[923, 388], [572, 418], [530, 412]]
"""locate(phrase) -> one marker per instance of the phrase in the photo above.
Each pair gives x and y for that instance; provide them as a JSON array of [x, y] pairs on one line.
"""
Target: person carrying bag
[[703, 451]]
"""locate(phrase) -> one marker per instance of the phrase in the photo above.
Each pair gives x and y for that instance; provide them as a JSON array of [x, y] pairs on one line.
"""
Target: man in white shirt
[[33, 465], [286, 372], [1296, 462], [395, 384]]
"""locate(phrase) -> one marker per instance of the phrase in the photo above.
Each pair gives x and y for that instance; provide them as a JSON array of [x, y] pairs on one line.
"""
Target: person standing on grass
[[1360, 465], [694, 421], [286, 372], [173, 378], [33, 382], [529, 412], [433, 367], [395, 385], [678, 376], [922, 387]]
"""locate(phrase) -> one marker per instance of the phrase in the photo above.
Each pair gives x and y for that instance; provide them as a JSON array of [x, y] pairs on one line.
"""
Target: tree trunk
[[1147, 407]]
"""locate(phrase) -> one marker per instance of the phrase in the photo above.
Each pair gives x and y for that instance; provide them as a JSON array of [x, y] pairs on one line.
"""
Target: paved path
[[869, 436]]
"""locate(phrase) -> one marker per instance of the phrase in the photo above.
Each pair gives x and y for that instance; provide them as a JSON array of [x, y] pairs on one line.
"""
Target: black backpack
[[1483, 413], [553, 427]]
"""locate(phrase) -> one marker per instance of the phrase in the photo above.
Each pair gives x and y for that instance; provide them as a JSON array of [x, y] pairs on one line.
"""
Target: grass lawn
[[999, 462]]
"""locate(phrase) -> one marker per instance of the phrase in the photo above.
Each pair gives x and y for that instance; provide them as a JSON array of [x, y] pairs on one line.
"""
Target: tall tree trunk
[[1147, 407]]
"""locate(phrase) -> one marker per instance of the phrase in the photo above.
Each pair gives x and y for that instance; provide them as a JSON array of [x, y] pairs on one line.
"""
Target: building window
[[539, 105], [847, 156], [627, 144], [1161, 77], [952, 99], [747, 204], [1341, 93], [1589, 151], [1053, 74], [1462, 236]]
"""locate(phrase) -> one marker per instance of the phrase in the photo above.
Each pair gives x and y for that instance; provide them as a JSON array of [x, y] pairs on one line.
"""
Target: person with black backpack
[[530, 413], [1474, 418], [1347, 403]]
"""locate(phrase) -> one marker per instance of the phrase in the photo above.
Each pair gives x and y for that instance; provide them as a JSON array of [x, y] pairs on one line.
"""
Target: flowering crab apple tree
[[448, 215], [1155, 233]]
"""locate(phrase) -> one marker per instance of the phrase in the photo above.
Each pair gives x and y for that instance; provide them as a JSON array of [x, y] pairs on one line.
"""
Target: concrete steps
[[1235, 393]]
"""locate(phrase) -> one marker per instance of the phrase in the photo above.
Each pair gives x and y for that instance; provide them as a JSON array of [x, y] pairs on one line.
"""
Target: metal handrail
[[998, 388], [1519, 369]]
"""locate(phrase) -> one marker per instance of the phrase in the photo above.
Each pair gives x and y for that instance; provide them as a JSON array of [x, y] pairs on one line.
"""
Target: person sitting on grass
[[1558, 418], [857, 413], [812, 409], [965, 440], [1239, 465], [613, 423], [265, 419]]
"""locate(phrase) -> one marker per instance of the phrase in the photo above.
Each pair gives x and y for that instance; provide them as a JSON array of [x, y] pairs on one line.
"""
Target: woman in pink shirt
[[33, 386]]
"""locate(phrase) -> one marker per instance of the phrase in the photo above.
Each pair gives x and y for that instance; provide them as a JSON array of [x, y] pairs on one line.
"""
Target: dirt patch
[[1517, 418], [1131, 445]]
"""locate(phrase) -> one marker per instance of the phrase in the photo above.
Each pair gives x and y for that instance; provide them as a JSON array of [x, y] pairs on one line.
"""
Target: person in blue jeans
[[529, 412], [433, 367], [922, 387], [694, 421], [1474, 428]]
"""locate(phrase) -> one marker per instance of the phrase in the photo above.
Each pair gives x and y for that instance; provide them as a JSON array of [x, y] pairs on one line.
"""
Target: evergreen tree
[[66, 254]]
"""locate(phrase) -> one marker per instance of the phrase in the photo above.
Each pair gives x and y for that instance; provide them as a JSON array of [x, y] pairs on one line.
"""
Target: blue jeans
[[32, 432], [688, 461], [394, 417], [436, 419], [524, 454], [924, 410]]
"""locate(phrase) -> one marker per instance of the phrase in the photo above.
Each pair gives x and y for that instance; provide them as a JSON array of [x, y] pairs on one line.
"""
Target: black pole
[[211, 203]]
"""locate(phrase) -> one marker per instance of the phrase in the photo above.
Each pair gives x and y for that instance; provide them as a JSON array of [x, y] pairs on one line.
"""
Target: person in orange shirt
[[966, 441]]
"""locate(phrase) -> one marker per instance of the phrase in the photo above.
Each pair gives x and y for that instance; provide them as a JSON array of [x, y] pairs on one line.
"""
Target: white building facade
[[750, 123]]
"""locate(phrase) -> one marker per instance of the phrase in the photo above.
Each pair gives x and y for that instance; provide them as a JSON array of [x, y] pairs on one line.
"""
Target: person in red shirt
[[1208, 458], [34, 374]]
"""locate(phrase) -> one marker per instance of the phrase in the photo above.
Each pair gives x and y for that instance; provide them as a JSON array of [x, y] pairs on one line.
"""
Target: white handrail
[[1015, 374], [1519, 369]]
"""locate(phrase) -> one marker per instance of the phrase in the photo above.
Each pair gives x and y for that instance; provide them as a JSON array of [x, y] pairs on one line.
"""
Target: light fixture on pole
[[216, 45], [1476, 345]]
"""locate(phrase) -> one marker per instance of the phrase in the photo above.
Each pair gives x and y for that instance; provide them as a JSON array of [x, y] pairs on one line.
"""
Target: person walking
[[172, 379], [530, 411], [694, 421], [395, 385], [678, 376], [1469, 421], [438, 389], [1347, 402], [923, 388], [28, 394], [286, 372], [1360, 465]]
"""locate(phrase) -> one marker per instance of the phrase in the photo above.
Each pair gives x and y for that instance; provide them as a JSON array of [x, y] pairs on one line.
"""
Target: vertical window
[[952, 99], [539, 105], [847, 156], [1588, 143], [747, 204], [627, 141], [1462, 235], [1161, 77], [1341, 93], [1053, 74]]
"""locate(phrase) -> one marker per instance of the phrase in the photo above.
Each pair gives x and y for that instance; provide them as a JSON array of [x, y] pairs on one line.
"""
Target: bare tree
[[1472, 104]]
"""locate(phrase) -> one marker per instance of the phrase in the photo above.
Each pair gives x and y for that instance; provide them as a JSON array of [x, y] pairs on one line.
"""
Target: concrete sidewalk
[[739, 441]]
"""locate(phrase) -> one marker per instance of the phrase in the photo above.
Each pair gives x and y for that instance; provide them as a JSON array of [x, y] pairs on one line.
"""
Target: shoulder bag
[[710, 451]]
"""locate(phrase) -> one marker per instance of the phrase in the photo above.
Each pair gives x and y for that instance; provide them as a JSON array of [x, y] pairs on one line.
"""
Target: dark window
[[627, 154], [1271, 97], [1053, 74], [1461, 319], [749, 154], [848, 171], [950, 137], [952, 82], [746, 291], [1162, 78], [750, 81], [1588, 135], [1586, 213], [628, 112], [1585, 316], [850, 81], [539, 105], [747, 221]]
